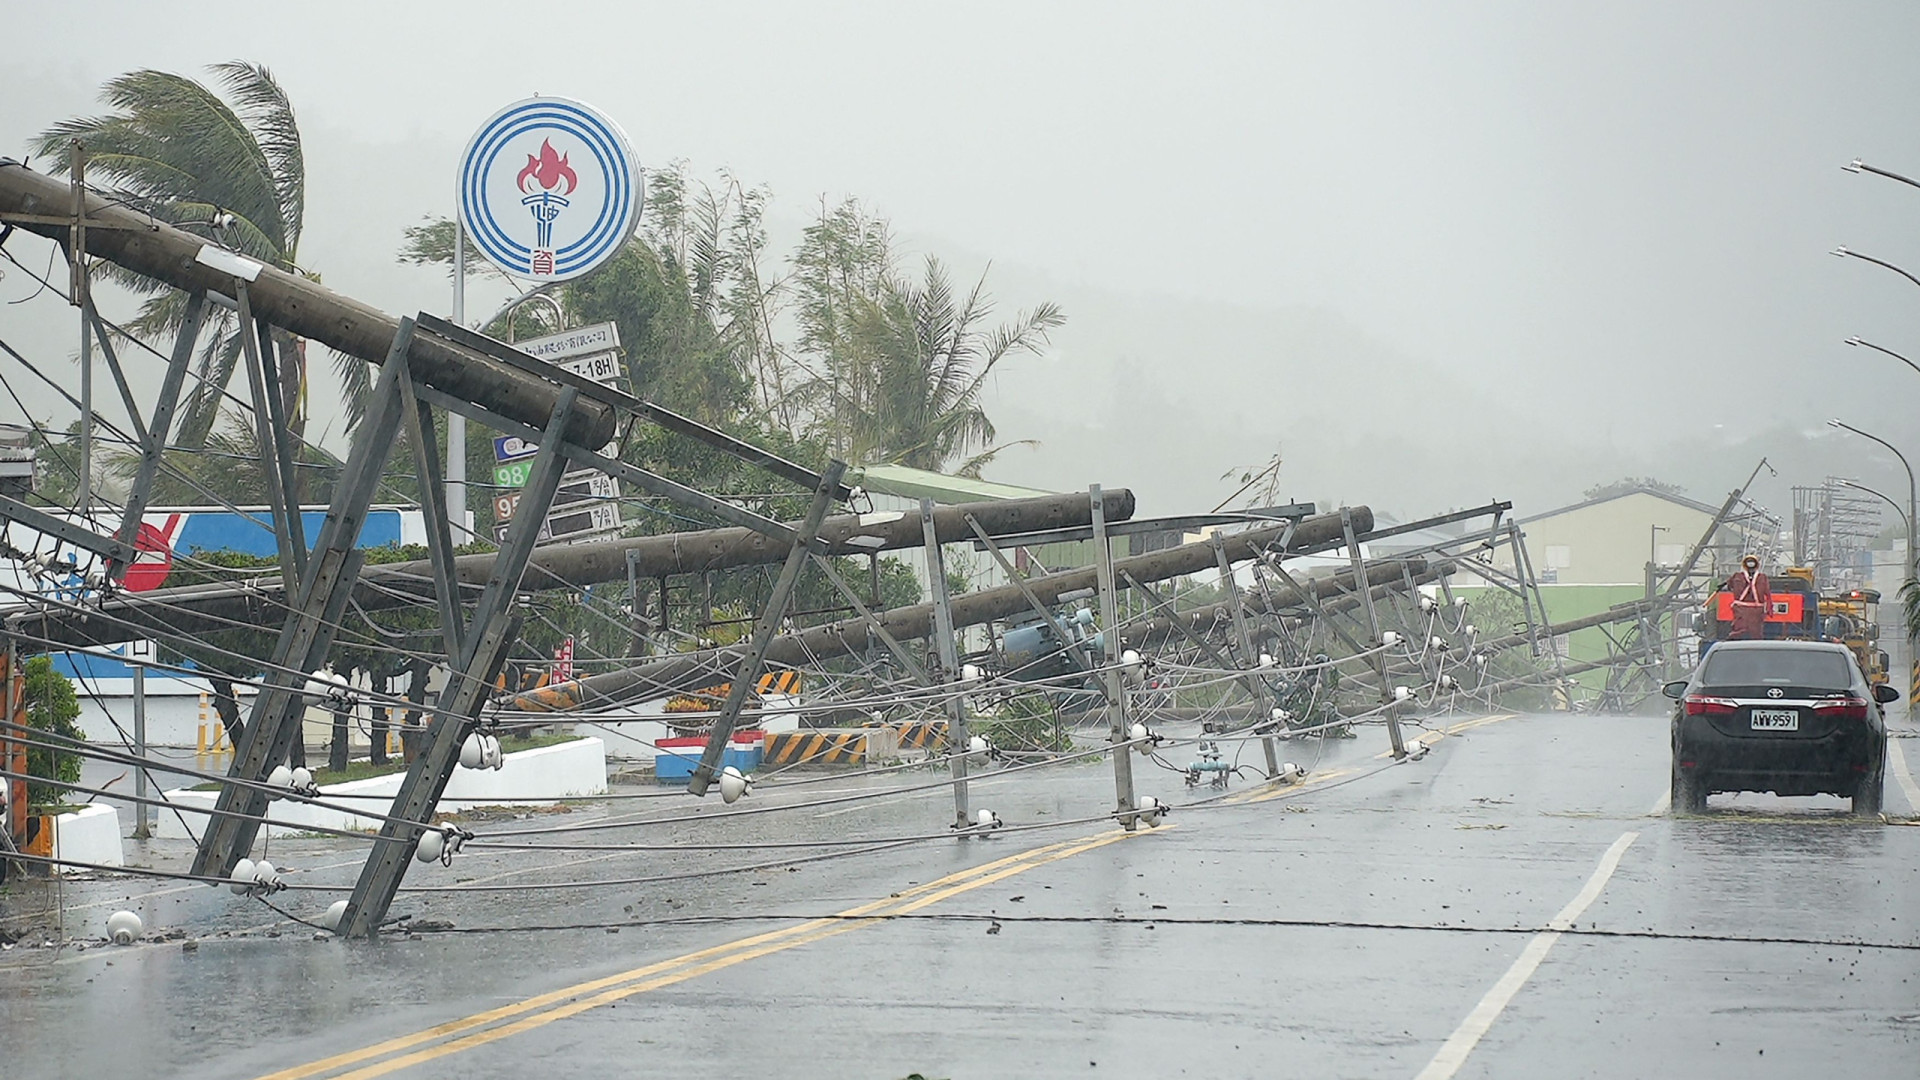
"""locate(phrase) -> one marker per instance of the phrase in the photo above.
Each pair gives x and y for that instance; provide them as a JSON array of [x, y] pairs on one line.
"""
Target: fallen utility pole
[[1383, 575], [204, 609], [144, 245], [850, 637], [1627, 612]]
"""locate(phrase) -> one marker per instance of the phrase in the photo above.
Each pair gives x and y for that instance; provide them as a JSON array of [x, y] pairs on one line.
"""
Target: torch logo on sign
[[549, 189], [545, 171]]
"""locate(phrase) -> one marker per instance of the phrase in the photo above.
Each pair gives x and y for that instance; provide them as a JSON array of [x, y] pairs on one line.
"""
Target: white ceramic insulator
[[471, 752], [324, 684], [1390, 638], [124, 927], [1149, 810], [1401, 693], [335, 912], [280, 777], [301, 779], [1437, 642], [732, 785], [242, 877], [978, 744], [430, 845]]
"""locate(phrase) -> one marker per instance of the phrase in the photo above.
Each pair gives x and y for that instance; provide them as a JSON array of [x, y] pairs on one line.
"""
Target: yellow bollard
[[200, 746]]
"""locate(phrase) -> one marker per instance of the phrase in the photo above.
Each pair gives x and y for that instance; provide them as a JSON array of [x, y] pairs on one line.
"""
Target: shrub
[[52, 709]]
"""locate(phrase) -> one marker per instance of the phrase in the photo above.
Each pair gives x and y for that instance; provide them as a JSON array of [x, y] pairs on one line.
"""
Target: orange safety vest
[[1750, 600]]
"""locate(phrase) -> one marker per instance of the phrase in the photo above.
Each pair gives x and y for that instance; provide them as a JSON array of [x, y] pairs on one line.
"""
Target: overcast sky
[[1567, 239]]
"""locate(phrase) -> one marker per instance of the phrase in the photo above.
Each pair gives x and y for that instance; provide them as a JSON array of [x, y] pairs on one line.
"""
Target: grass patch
[[367, 770]]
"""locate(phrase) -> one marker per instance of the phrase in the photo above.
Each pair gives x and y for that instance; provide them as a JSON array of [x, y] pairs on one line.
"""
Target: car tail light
[[1846, 708], [1702, 705]]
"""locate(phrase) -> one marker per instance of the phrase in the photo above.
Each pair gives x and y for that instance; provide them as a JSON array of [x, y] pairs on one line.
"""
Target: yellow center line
[[678, 969]]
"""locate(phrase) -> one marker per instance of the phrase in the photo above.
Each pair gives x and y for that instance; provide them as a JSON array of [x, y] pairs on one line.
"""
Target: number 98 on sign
[[511, 473]]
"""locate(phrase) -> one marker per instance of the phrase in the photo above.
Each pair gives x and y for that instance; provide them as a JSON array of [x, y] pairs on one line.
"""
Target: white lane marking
[[1453, 1053], [1900, 773], [1662, 804]]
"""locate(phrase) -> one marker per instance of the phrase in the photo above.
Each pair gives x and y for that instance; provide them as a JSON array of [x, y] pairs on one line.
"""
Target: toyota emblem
[[1776, 692]]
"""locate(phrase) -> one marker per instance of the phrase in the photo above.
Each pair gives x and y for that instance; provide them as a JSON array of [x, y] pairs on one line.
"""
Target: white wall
[[88, 836], [540, 776]]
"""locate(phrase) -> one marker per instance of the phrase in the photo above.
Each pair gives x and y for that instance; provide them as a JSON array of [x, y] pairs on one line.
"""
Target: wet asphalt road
[[1345, 928]]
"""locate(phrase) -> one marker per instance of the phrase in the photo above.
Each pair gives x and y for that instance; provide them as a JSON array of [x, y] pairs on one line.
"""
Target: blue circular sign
[[549, 189]]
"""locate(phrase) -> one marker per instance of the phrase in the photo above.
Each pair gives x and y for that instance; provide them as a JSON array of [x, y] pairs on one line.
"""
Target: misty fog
[[1429, 254]]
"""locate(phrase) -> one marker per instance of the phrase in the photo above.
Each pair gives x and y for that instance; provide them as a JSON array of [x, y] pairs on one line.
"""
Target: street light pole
[[1858, 166], [456, 477], [1913, 563], [1845, 252], [1856, 340], [1883, 497]]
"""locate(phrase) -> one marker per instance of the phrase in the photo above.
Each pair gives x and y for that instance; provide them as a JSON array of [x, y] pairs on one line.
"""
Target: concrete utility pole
[[1125, 799], [43, 205], [747, 674], [204, 609], [947, 651], [850, 637], [1338, 591]]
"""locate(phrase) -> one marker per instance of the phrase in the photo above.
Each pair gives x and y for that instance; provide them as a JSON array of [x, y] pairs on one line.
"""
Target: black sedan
[[1789, 717]]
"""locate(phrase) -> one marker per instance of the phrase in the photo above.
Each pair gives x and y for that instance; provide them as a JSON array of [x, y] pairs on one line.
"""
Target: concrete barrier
[[529, 778], [842, 746], [89, 836], [922, 734]]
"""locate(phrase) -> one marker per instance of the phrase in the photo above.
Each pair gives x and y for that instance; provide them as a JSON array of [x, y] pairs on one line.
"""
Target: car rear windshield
[[1816, 668]]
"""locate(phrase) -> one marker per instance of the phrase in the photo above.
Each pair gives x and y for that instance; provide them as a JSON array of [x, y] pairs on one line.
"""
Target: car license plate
[[1775, 720]]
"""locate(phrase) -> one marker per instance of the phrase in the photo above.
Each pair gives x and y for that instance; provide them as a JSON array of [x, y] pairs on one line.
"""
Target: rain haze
[[1408, 572], [1587, 241]]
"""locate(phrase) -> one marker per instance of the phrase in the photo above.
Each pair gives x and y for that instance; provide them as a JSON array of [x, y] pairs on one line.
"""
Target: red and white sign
[[150, 568], [563, 661]]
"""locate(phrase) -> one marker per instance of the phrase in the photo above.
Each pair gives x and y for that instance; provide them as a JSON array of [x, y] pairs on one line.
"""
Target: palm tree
[[910, 367], [176, 149]]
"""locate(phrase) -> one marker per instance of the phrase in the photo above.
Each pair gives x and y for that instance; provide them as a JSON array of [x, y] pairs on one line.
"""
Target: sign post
[[588, 503]]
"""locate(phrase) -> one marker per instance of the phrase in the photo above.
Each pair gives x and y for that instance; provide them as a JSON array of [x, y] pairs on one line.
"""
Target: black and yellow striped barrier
[[922, 735], [838, 747]]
